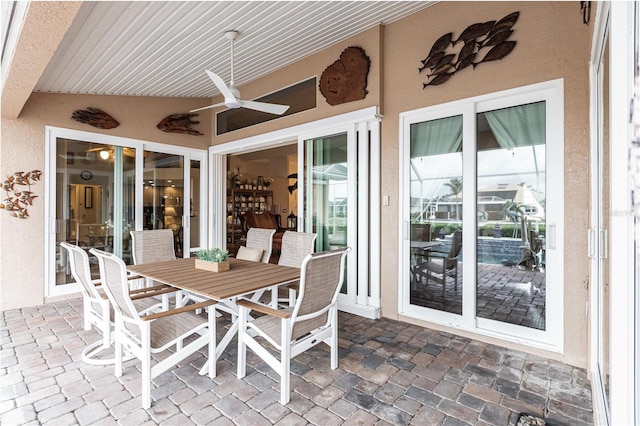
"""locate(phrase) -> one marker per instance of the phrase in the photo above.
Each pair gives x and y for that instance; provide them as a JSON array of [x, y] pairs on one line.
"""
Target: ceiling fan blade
[[265, 107], [207, 107], [221, 85]]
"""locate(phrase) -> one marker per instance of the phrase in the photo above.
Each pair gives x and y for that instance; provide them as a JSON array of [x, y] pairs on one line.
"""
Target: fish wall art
[[19, 198], [95, 117], [482, 42], [179, 123]]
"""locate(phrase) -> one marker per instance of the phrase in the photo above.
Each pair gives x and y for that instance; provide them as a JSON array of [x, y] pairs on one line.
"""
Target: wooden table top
[[243, 277]]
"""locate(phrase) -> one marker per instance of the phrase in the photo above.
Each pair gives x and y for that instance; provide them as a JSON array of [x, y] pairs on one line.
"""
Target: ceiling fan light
[[104, 154]]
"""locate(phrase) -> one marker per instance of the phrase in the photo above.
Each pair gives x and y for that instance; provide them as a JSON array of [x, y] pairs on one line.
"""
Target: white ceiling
[[162, 48]]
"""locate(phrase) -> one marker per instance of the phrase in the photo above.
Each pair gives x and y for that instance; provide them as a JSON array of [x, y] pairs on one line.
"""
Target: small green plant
[[213, 255]]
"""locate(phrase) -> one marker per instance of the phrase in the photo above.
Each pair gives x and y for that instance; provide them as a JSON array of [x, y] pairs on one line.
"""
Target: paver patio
[[389, 373]]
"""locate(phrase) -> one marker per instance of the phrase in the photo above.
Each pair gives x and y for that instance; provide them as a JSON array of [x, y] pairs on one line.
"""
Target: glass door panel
[[511, 284], [95, 200], [436, 214], [326, 202], [194, 207], [163, 195]]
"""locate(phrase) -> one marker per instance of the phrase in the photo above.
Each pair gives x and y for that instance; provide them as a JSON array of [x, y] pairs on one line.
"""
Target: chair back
[[152, 246], [456, 246], [81, 270], [113, 274], [261, 238], [321, 278], [295, 247]]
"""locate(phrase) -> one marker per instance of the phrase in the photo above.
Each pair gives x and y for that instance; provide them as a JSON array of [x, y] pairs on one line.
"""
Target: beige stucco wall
[[552, 43], [306, 68], [22, 149]]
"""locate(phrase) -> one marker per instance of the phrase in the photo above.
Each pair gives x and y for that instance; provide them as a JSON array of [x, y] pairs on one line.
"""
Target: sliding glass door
[[101, 188], [479, 225]]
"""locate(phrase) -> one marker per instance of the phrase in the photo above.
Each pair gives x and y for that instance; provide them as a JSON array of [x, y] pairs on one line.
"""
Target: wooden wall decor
[[95, 117], [179, 123], [490, 37], [17, 198], [346, 79]]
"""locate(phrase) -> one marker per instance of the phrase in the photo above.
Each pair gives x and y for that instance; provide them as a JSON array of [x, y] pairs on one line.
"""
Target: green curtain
[[435, 137]]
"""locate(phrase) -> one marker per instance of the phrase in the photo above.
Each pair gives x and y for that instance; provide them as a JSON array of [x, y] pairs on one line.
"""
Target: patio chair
[[291, 331], [96, 307], [156, 245], [437, 266], [295, 248], [258, 239], [157, 332]]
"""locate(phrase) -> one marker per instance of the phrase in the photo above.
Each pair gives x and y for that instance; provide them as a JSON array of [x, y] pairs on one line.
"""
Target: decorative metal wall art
[[490, 37], [17, 200], [179, 123], [346, 79], [95, 117]]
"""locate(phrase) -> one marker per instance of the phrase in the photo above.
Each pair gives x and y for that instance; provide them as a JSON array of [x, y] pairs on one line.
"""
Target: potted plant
[[215, 260]]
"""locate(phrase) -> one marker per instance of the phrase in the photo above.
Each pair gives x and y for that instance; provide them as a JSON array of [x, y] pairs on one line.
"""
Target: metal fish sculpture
[[467, 50], [476, 37], [17, 201], [497, 52], [432, 61], [474, 31], [26, 197], [439, 79], [497, 38], [466, 62], [95, 117], [179, 123], [504, 24], [440, 45]]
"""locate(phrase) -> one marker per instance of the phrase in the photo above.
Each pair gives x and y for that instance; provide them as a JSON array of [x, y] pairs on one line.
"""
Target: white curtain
[[519, 126], [436, 137]]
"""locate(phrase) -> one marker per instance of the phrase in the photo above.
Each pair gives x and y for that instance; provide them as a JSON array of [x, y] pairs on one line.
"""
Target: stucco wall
[[552, 43], [22, 149]]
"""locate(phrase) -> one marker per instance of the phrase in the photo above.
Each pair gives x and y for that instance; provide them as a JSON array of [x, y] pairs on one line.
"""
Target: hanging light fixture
[[104, 154]]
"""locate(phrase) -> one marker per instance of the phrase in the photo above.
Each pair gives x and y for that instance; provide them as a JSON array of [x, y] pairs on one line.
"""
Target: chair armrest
[[151, 291], [179, 310], [258, 307]]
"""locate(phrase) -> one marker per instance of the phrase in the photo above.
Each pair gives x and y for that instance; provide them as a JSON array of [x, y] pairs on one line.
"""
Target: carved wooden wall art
[[17, 198], [95, 117], [490, 37], [179, 123], [346, 79]]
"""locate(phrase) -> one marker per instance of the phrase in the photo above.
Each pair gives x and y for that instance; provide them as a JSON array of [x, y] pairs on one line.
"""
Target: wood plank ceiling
[[162, 48]]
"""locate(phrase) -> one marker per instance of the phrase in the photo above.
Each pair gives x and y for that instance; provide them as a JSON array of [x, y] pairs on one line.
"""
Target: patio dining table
[[243, 278]]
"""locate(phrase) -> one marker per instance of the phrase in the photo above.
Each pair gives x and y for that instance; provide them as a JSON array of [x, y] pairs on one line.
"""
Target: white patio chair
[[260, 239], [257, 248], [157, 332], [150, 246], [295, 247], [96, 307], [291, 331]]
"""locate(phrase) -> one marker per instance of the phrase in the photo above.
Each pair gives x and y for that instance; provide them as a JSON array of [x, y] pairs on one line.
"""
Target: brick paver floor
[[390, 373]]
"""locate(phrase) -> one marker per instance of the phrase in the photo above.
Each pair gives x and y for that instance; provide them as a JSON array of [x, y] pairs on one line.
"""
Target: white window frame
[[551, 92], [50, 172]]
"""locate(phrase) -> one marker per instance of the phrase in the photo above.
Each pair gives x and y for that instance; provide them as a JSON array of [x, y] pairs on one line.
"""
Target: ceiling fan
[[232, 94]]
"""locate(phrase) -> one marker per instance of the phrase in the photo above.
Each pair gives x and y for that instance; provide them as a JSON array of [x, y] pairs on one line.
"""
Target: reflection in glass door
[[436, 214], [482, 265], [163, 198], [95, 203], [511, 196], [328, 211]]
